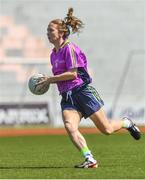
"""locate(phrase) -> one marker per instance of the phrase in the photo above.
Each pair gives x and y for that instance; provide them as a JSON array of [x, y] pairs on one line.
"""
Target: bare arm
[[69, 75]]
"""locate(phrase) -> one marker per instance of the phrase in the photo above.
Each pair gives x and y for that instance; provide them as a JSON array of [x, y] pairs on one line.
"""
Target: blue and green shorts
[[84, 99]]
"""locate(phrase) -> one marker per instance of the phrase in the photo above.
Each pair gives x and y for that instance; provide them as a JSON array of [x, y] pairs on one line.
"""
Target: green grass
[[44, 157]]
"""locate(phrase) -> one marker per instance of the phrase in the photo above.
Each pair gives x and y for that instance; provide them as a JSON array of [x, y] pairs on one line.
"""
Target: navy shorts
[[83, 99]]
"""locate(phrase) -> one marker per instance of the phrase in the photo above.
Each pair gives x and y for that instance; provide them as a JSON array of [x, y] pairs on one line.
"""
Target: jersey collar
[[63, 44]]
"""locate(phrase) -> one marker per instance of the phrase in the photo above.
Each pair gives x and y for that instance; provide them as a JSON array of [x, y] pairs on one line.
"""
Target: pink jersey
[[68, 57]]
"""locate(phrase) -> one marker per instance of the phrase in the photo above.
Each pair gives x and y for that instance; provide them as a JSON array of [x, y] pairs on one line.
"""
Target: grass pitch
[[47, 157]]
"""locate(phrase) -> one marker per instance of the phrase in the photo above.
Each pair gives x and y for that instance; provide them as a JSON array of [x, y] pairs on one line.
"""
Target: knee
[[108, 131], [70, 128]]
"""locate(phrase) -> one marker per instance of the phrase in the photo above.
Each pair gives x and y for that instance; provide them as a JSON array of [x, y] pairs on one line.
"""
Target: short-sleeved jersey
[[68, 57]]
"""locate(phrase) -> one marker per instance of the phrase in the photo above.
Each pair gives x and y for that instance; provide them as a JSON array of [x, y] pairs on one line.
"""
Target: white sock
[[126, 123]]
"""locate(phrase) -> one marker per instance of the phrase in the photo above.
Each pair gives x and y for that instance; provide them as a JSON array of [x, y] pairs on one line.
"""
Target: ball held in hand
[[34, 87]]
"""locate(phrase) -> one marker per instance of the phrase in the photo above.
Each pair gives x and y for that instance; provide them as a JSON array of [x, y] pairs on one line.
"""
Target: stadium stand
[[17, 41]]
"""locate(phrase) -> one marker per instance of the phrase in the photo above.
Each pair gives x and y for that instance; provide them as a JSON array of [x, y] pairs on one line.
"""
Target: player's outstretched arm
[[69, 75]]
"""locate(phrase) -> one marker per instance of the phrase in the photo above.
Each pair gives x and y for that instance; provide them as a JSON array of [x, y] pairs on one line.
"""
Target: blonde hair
[[69, 24]]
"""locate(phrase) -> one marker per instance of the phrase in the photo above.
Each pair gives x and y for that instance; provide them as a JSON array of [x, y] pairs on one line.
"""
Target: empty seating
[[17, 41]]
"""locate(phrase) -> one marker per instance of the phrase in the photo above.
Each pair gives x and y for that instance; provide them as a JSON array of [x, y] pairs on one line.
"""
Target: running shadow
[[34, 167]]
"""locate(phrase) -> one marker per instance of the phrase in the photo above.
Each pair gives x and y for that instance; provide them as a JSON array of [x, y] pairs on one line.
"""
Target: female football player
[[79, 98]]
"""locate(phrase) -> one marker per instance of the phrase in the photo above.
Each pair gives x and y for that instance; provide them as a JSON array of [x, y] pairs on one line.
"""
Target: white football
[[34, 87]]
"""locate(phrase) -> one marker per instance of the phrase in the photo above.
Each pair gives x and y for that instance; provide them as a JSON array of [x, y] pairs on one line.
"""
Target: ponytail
[[73, 22], [69, 24]]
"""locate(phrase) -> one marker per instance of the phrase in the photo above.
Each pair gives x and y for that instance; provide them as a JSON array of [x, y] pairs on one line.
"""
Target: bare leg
[[71, 119], [104, 125], [108, 127]]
